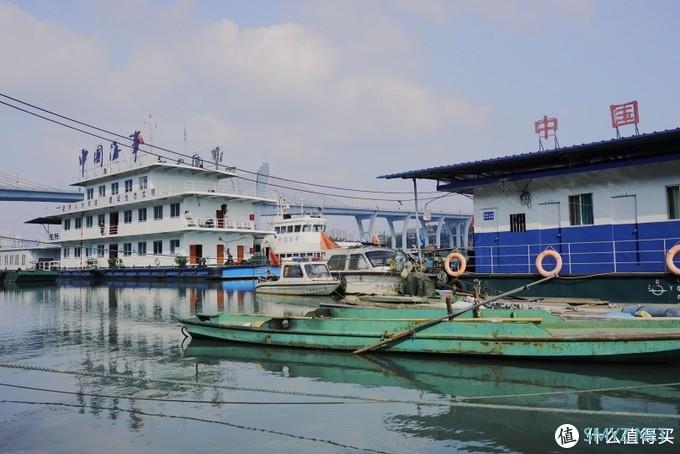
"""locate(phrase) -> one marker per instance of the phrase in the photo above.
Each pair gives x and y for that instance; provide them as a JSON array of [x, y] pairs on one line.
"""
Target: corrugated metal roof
[[659, 142]]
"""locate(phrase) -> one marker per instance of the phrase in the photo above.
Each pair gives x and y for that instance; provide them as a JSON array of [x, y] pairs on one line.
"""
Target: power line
[[106, 139], [289, 180]]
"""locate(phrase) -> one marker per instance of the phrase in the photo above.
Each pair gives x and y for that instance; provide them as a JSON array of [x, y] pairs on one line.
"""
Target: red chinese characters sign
[[545, 126], [624, 114]]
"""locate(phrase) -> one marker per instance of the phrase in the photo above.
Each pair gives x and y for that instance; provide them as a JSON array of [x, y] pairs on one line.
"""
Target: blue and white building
[[607, 207]]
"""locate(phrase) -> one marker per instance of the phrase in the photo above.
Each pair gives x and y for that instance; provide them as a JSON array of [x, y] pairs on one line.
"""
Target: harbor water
[[91, 368]]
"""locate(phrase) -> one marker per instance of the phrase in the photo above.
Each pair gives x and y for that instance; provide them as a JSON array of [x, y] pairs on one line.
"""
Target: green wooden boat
[[496, 332]]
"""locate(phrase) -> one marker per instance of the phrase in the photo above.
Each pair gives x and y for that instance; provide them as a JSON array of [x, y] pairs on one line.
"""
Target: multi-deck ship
[[154, 213]]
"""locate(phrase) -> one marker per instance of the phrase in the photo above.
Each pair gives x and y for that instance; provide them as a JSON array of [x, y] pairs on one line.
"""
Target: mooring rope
[[453, 402], [193, 418]]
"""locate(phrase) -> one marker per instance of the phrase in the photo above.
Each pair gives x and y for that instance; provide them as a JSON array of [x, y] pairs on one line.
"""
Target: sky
[[332, 92]]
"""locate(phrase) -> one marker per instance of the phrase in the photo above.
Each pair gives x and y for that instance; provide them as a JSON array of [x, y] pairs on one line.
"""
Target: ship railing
[[151, 226], [597, 256]]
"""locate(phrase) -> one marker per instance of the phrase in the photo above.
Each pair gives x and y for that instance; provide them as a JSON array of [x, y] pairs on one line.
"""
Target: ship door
[[239, 254], [219, 215], [113, 223], [625, 232], [195, 253], [220, 254], [113, 251], [551, 226]]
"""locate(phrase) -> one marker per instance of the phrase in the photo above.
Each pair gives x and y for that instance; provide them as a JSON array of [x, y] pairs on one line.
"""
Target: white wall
[[647, 183]]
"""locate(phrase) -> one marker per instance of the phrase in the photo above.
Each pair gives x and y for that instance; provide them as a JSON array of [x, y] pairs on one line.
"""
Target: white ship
[[151, 213]]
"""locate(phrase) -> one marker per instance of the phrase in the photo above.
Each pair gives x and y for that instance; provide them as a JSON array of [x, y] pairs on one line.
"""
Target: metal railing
[[644, 255]]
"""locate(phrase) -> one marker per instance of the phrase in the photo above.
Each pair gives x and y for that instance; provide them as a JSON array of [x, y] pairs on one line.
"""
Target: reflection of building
[[147, 212]]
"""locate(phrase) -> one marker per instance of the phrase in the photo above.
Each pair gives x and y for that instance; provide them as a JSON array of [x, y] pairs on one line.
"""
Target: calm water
[[134, 330]]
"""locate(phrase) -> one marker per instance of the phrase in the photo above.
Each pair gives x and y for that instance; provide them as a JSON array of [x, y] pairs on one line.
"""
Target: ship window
[[88, 221], [290, 229], [100, 250], [306, 228], [90, 193], [317, 270], [141, 215], [127, 216], [357, 262], [143, 181], [174, 245], [158, 212], [581, 209], [337, 262], [114, 188], [277, 230], [292, 271], [76, 252], [67, 224], [673, 197], [381, 258], [102, 190], [128, 185], [518, 222], [158, 247], [67, 252], [79, 223], [318, 228], [174, 210], [127, 249], [141, 248], [297, 228]]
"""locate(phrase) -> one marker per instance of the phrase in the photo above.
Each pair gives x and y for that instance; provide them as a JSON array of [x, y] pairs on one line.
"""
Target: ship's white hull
[[366, 283], [301, 289]]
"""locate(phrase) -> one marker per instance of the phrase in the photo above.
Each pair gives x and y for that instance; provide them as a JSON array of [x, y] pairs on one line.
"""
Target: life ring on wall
[[461, 268], [548, 253], [670, 255]]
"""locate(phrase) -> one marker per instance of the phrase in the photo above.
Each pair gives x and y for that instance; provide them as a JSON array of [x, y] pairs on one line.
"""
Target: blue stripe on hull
[[584, 249], [247, 272]]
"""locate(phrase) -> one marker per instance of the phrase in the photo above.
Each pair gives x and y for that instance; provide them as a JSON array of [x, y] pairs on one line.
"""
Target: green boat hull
[[497, 333]]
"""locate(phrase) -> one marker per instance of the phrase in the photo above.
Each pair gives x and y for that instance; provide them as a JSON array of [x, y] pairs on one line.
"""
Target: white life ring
[[670, 255], [548, 253], [461, 268]]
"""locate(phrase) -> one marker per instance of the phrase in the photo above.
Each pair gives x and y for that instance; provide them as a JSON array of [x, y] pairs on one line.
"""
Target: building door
[[239, 254], [220, 254], [550, 233], [195, 253], [113, 223], [625, 233]]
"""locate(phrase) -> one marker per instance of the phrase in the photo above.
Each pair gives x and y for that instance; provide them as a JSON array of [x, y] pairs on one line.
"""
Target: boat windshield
[[315, 270], [380, 258], [292, 271]]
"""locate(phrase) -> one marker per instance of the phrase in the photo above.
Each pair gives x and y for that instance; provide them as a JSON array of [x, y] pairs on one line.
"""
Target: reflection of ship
[[495, 429]]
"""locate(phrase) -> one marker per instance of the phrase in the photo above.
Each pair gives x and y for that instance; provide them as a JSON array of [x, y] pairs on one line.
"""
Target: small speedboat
[[300, 278]]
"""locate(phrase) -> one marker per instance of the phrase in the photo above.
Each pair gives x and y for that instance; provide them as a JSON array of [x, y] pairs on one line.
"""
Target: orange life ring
[[447, 264], [539, 262], [670, 255]]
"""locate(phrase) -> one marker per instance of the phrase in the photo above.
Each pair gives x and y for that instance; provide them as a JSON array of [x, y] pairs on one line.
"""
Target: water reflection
[[131, 328]]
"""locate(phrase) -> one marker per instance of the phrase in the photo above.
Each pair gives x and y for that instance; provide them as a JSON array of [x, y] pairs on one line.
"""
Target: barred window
[[518, 222]]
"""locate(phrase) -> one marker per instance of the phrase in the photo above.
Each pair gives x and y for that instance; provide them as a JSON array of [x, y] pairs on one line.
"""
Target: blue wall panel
[[584, 249]]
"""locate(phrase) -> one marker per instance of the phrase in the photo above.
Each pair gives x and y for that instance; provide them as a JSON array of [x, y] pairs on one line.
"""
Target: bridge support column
[[426, 237], [393, 234], [466, 233], [404, 231], [371, 226], [438, 237], [360, 225]]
